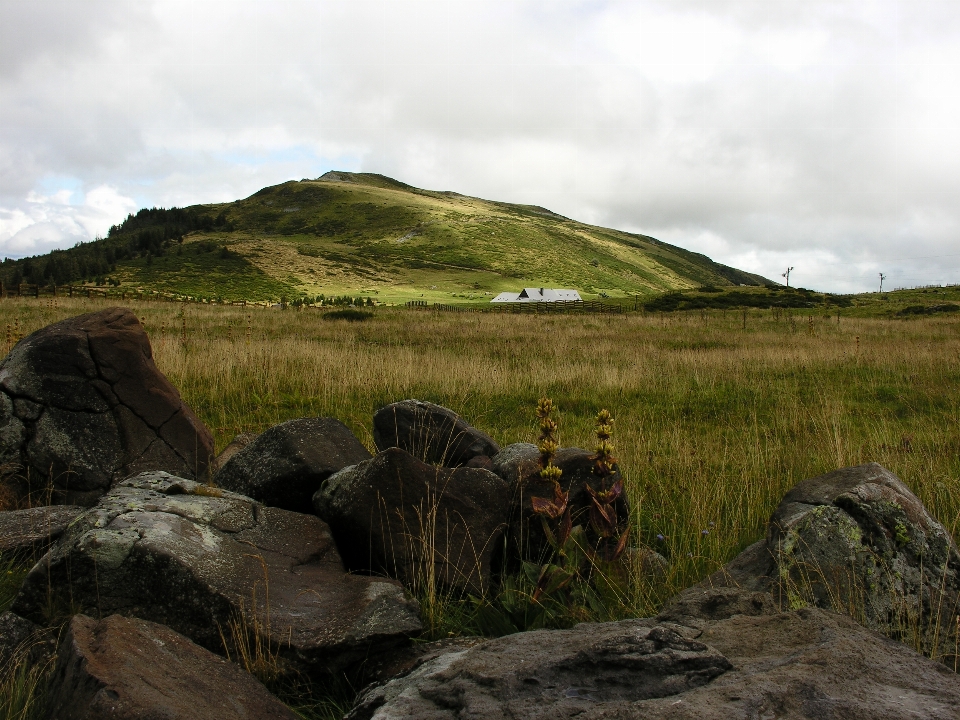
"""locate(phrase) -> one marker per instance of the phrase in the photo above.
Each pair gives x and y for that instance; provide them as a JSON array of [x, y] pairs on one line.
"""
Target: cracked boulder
[[212, 564], [753, 663], [285, 465], [432, 433], [127, 669], [396, 515], [82, 405], [857, 540]]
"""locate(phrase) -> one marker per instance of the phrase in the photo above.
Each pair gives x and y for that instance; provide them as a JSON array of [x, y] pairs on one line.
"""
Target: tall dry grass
[[714, 421]]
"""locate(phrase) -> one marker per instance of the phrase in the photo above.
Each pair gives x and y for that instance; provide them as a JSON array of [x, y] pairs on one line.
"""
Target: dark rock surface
[[806, 663], [195, 557], [82, 405], [28, 533], [431, 433], [395, 514], [286, 464], [518, 465], [238, 443], [857, 537], [550, 673], [128, 669], [22, 641]]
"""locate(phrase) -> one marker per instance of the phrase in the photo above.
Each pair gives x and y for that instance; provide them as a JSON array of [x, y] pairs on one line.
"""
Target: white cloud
[[820, 134], [54, 221]]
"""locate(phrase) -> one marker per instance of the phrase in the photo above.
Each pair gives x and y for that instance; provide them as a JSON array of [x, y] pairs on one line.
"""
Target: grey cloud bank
[[822, 135]]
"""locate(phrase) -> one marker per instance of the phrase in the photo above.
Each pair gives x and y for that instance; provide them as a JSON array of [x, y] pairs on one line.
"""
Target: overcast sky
[[818, 134]]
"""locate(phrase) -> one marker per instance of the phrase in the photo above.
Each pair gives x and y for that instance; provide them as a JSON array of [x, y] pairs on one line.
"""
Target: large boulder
[[28, 533], [285, 465], [82, 405], [431, 433], [857, 540], [206, 561], [753, 663], [397, 515], [518, 465], [127, 669]]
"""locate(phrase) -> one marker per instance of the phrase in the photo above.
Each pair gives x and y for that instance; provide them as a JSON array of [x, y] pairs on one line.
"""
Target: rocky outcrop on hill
[[397, 515], [82, 405], [754, 663], [128, 669], [857, 537], [286, 464], [431, 433], [197, 559], [28, 533]]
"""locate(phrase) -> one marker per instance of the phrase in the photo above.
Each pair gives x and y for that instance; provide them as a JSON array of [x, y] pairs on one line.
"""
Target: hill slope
[[360, 233]]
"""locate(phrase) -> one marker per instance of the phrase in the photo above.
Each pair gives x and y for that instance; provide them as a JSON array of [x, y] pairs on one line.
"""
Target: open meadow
[[716, 416]]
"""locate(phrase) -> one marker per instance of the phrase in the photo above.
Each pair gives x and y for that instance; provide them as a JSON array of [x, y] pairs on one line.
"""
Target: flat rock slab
[[431, 433], [397, 515], [128, 669], [28, 533], [195, 558], [550, 674], [82, 405], [801, 664], [285, 465]]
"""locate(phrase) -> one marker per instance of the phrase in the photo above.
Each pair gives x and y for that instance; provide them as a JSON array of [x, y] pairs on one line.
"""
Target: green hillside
[[366, 234]]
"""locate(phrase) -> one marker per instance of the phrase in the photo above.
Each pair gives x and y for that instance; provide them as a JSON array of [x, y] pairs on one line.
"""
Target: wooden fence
[[546, 308]]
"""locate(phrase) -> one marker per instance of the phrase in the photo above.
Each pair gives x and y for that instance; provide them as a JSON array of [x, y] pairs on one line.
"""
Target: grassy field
[[714, 422], [717, 413]]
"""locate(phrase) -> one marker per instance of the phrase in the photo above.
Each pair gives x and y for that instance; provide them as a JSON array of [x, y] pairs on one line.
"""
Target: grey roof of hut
[[539, 295]]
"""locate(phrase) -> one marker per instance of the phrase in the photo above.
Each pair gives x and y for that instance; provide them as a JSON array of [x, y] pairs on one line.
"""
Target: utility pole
[[787, 275], [882, 278]]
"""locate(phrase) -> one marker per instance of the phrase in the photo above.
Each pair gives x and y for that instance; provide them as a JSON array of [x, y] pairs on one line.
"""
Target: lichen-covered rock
[[128, 669], [82, 405], [759, 663], [858, 537], [285, 465], [431, 433], [197, 558], [857, 540], [397, 515], [28, 533]]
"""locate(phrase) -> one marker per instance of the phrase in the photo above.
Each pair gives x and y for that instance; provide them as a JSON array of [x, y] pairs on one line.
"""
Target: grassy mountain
[[366, 234]]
